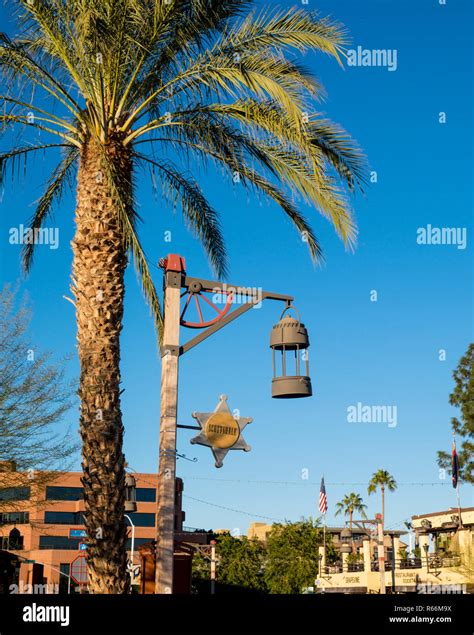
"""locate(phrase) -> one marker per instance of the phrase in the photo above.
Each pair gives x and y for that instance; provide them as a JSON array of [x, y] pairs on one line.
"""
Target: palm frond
[[202, 218], [16, 62], [10, 159], [60, 177], [25, 121]]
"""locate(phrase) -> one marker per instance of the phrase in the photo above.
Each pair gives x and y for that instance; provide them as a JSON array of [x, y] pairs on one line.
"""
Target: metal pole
[[132, 551], [457, 485], [213, 567], [168, 421], [324, 539], [459, 505], [393, 564], [69, 581], [381, 553]]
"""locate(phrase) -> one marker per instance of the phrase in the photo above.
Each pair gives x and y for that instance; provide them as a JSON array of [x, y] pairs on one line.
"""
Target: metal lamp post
[[213, 567], [198, 294], [426, 548], [132, 550], [131, 506]]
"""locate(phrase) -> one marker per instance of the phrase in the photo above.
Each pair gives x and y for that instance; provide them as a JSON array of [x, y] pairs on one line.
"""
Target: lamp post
[[131, 506], [213, 567], [197, 294], [426, 548], [381, 552], [132, 550]]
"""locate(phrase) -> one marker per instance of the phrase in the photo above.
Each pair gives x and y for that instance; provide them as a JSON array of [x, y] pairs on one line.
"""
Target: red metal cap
[[174, 262]]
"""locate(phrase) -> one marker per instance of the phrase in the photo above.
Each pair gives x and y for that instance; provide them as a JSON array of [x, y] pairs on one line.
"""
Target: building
[[48, 523], [261, 531], [443, 561]]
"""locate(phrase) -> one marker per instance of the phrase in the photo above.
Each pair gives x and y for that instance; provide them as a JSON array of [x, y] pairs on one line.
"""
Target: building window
[[146, 495], [64, 493], [63, 518], [11, 543], [59, 542], [15, 493], [9, 518], [140, 519]]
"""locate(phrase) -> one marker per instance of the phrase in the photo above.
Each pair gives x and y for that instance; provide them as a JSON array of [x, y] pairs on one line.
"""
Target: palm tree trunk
[[98, 285], [382, 488]]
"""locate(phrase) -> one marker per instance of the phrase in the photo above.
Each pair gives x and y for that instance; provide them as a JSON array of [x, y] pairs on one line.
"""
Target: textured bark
[[98, 285]]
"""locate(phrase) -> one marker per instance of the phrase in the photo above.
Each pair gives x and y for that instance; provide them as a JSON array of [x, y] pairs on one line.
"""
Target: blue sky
[[375, 353]]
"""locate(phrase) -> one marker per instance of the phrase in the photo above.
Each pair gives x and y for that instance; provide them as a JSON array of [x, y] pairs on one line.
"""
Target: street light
[[132, 551], [426, 549], [213, 566], [130, 493], [198, 295], [288, 335]]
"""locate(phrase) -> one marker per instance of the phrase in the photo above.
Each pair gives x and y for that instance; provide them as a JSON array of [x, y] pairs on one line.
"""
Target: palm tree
[[382, 479], [349, 504], [162, 85]]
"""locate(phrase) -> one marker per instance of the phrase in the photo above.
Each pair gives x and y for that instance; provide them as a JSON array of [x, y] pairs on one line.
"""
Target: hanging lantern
[[290, 337], [130, 493]]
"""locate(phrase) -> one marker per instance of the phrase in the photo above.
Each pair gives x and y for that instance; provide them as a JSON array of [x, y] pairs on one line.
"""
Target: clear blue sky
[[383, 353]]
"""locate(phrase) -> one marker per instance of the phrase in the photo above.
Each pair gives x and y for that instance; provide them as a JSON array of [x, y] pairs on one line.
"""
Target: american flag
[[323, 499]]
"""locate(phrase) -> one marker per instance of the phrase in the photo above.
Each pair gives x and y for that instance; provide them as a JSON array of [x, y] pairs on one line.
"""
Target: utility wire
[[301, 482], [237, 511]]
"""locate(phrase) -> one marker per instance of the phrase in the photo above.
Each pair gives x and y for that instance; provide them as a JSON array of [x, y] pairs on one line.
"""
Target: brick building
[[50, 523]]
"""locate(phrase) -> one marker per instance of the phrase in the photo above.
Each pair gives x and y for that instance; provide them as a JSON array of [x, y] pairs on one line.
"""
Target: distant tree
[[463, 398], [34, 397], [239, 563], [349, 504], [384, 480], [292, 556]]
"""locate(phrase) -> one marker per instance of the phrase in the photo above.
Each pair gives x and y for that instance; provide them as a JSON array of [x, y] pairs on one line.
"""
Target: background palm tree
[[159, 86], [382, 479], [349, 504]]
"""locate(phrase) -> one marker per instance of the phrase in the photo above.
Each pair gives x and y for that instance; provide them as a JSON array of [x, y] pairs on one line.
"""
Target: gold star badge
[[221, 431]]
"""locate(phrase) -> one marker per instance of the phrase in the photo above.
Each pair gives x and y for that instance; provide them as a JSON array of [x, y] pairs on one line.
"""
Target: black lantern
[[290, 337], [130, 493]]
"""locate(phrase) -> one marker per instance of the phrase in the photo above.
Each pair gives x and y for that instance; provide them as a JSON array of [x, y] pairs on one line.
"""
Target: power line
[[237, 511], [302, 482]]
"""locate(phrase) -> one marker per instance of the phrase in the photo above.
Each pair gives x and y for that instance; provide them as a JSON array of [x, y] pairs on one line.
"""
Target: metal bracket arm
[[265, 295]]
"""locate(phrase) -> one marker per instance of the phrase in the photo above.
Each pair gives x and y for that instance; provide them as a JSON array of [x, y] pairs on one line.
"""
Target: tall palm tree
[[162, 85], [382, 479], [349, 504]]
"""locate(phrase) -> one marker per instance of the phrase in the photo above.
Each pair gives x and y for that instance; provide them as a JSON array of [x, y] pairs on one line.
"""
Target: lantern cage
[[290, 337], [130, 493]]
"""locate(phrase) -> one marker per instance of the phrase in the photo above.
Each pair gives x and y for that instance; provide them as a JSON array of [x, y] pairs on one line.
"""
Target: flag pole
[[459, 505], [324, 538], [457, 479]]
